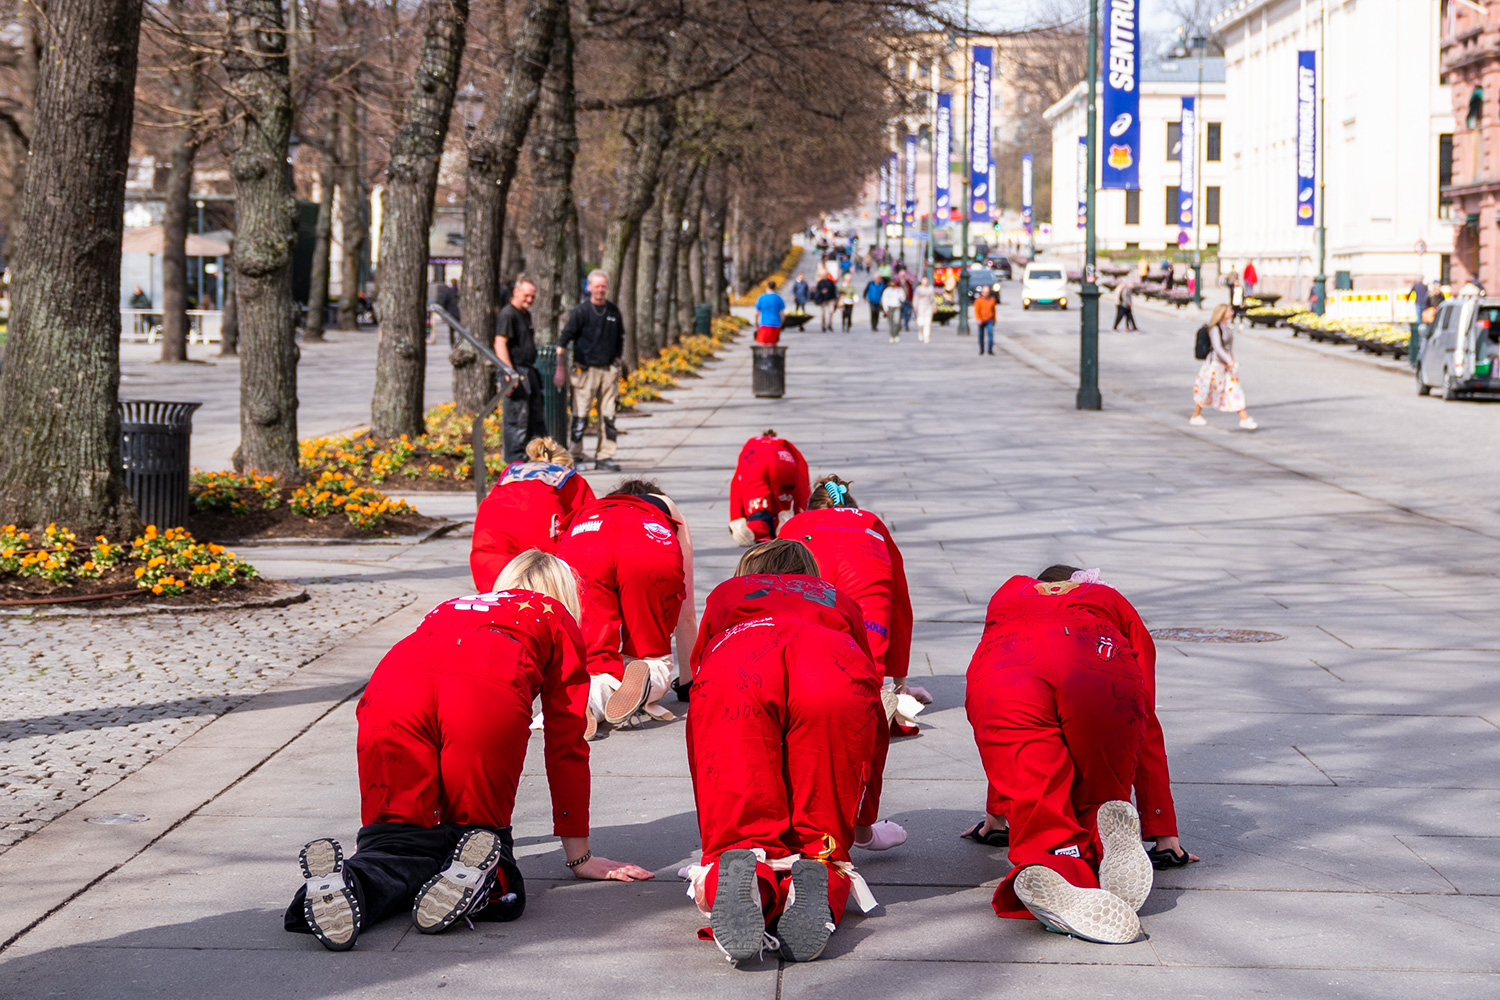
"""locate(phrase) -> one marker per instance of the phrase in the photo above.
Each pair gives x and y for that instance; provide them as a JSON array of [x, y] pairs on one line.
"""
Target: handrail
[[508, 378]]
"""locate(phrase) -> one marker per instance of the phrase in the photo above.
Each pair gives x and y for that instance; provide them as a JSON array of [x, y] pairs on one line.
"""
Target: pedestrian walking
[[1251, 278], [526, 509], [447, 298], [1419, 297], [800, 293], [523, 416], [596, 331], [1236, 301], [444, 724], [984, 319], [908, 308], [1143, 268], [769, 309], [925, 301], [892, 302], [847, 299], [1218, 381], [874, 289], [826, 297], [1123, 296]]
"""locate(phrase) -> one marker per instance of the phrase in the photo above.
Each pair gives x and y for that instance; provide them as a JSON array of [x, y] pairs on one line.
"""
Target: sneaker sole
[[590, 724], [804, 927], [635, 684], [1064, 908], [332, 914], [737, 922], [1125, 869], [448, 894]]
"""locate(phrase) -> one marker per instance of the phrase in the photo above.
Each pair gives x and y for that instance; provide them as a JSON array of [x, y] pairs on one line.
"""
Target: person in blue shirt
[[873, 291], [800, 293], [768, 309]]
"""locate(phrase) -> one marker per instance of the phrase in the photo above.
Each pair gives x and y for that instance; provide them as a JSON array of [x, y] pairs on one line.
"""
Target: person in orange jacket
[[769, 485]]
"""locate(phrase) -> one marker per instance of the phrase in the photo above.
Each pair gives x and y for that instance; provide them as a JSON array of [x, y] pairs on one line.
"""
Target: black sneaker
[[606, 465], [463, 887], [807, 922], [737, 921], [330, 907]]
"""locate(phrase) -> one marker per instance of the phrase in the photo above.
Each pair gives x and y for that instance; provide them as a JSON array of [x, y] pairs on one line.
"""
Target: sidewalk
[[1340, 783]]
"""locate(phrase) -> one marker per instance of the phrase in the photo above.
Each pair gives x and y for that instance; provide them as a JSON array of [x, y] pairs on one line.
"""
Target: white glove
[[740, 529]]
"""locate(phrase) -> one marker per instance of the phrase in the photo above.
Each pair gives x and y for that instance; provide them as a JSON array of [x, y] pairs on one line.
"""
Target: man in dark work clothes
[[515, 344], [596, 332]]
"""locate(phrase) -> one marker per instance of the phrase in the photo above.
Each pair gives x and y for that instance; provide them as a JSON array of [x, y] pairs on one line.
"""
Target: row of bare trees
[[657, 139]]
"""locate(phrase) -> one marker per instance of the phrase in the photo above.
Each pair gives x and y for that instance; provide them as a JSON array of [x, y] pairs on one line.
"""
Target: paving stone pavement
[[1342, 783], [85, 702]]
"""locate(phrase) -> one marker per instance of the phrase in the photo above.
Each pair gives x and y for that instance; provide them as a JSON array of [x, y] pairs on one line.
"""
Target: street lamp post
[[200, 259], [962, 291], [1200, 188], [1320, 280], [1088, 347]]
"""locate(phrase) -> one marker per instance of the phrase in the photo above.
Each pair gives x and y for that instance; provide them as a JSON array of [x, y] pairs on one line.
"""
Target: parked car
[[1044, 284], [1001, 266], [1461, 352], [981, 278]]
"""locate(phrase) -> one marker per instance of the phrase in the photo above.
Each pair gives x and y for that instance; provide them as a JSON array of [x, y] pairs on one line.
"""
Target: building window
[[1445, 268], [1174, 142], [1214, 142], [1445, 174], [1211, 207], [1172, 195], [1133, 208], [924, 69], [1132, 246]]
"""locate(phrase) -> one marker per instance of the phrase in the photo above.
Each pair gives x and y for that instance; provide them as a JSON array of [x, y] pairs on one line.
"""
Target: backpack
[[1203, 346]]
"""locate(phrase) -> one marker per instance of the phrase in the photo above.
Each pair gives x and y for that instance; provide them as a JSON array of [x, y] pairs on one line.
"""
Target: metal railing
[[204, 325], [508, 378]]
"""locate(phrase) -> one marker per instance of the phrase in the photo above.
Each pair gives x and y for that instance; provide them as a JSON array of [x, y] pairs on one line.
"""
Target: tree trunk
[[255, 63], [713, 244], [58, 393], [317, 292], [554, 145], [179, 197], [491, 168], [667, 290], [411, 181], [626, 301], [646, 344], [656, 131], [229, 328], [688, 290], [351, 186]]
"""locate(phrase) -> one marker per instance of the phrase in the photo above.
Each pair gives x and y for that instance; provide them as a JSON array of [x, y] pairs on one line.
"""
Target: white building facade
[[1146, 220], [1384, 118]]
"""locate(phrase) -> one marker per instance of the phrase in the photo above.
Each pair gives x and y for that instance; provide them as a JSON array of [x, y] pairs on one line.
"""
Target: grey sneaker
[[1064, 908], [461, 888], [330, 906], [1125, 868], [737, 921], [807, 922]]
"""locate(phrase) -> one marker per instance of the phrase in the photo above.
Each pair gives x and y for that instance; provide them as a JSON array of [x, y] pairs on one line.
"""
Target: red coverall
[[770, 477], [857, 555], [526, 510], [626, 551], [786, 738], [444, 721], [1062, 698]]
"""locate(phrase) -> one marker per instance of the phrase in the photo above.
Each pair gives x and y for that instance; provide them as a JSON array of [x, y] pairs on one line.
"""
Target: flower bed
[[169, 566], [1366, 335], [334, 505], [788, 262], [1271, 315]]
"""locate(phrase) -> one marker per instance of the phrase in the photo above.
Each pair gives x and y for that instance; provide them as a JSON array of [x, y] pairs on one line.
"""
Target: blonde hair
[[1221, 311], [545, 449], [544, 573]]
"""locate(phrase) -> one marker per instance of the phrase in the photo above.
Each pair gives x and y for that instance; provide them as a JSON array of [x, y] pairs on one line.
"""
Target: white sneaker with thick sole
[[1198, 421], [463, 886], [1125, 868], [330, 906], [1063, 908]]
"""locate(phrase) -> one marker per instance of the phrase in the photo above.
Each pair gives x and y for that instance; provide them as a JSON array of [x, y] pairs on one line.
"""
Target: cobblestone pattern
[[86, 702]]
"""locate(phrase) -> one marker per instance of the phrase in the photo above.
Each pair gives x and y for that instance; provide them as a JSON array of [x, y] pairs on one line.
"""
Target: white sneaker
[[1124, 868], [1248, 424], [1198, 421], [1064, 908]]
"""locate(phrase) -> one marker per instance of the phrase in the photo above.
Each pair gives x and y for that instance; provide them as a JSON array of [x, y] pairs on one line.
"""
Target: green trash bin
[[703, 316]]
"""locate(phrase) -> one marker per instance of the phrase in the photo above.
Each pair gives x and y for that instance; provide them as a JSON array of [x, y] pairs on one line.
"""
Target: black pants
[[394, 860], [874, 316], [523, 415], [1125, 313], [848, 315]]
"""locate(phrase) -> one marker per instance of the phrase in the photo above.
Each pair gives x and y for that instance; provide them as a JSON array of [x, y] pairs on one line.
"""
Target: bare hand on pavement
[[604, 869]]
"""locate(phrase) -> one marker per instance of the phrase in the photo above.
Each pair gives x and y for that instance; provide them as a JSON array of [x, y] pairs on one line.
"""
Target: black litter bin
[[703, 317], [154, 439], [769, 370]]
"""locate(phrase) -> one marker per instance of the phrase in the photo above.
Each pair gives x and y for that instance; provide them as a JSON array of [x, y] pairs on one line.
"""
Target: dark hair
[[778, 556], [770, 286], [636, 488], [1058, 573], [823, 496], [770, 432]]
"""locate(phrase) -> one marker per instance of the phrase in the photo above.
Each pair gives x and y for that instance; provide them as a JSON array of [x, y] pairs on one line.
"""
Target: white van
[[1044, 284]]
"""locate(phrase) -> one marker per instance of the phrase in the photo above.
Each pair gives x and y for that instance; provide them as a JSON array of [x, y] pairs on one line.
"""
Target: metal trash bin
[[703, 318], [154, 445], [768, 372]]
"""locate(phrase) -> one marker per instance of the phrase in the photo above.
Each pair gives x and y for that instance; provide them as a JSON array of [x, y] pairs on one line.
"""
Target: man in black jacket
[[515, 344], [826, 295], [596, 330]]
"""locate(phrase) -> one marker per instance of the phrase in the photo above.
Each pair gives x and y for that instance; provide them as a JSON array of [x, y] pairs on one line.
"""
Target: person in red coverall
[[786, 746], [769, 485], [634, 557], [858, 556], [1062, 698], [526, 509], [443, 729]]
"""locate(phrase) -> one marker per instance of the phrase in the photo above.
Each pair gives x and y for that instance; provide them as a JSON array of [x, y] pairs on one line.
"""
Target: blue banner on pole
[[1189, 158], [881, 191], [909, 192], [1307, 135], [1122, 97], [1083, 180], [980, 197], [893, 182], [942, 157], [1026, 191]]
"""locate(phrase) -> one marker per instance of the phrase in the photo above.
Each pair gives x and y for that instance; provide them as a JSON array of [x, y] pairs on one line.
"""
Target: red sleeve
[[737, 496], [898, 642], [490, 549], [803, 490], [1153, 781], [574, 494], [565, 696]]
